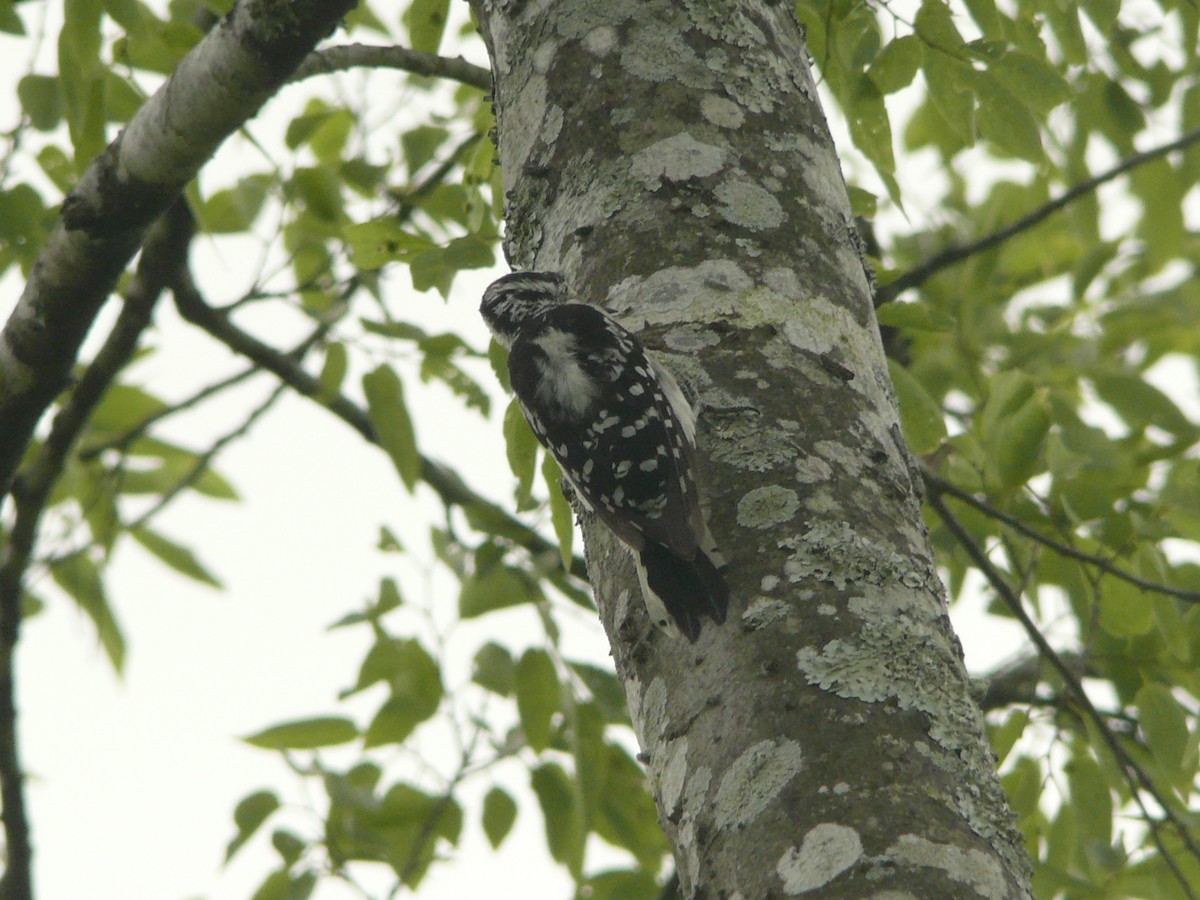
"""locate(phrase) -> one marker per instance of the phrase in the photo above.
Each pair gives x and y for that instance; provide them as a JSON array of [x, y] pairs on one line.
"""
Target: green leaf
[[1005, 736], [389, 599], [323, 128], [1064, 20], [496, 588], [494, 669], [499, 813], [122, 100], [319, 190], [916, 316], [248, 816], [289, 847], [622, 884], [1005, 121], [57, 167], [949, 88], [436, 268], [870, 128], [421, 143], [283, 885], [426, 21], [897, 65], [986, 17], [1023, 784], [123, 407], [1007, 393], [21, 213], [607, 692], [1125, 611], [1162, 226], [333, 372], [862, 203], [565, 830], [389, 595], [375, 244], [233, 210], [562, 517], [416, 688], [920, 416], [10, 22], [1164, 723], [80, 578], [935, 26], [406, 667], [1091, 799], [393, 426], [1032, 80], [537, 696], [410, 824], [305, 734], [41, 100], [625, 814], [1141, 404], [81, 77], [521, 448], [179, 558], [1015, 451]]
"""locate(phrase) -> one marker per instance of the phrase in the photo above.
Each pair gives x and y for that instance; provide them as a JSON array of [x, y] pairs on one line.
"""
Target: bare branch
[[952, 255], [935, 483], [1135, 777], [360, 56], [220, 84]]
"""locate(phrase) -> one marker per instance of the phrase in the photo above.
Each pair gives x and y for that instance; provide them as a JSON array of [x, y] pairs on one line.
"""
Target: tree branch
[[220, 84], [358, 56], [204, 460], [956, 254], [936, 484], [165, 252], [448, 486], [1135, 777]]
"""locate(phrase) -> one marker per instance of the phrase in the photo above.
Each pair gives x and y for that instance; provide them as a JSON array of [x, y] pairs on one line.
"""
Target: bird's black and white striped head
[[510, 301]]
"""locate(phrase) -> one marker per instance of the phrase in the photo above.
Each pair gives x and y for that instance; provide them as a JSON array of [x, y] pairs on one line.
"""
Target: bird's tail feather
[[680, 592]]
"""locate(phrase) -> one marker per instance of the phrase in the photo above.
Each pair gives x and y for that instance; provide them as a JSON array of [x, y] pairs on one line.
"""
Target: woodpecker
[[623, 434]]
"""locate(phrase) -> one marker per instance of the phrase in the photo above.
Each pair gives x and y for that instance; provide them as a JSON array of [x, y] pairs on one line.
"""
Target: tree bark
[[223, 82], [670, 157]]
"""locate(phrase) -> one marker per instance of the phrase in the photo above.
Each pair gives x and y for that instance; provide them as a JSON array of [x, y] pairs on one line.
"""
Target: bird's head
[[513, 299]]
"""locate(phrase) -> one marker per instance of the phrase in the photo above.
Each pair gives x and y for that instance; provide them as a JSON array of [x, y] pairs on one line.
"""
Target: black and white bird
[[622, 433]]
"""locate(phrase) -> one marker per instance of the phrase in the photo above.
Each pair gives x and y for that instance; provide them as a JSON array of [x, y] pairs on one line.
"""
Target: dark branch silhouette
[[1135, 777], [360, 56], [934, 483], [956, 254]]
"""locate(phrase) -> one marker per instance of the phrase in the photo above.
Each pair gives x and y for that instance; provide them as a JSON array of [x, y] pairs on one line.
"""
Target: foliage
[[1039, 377]]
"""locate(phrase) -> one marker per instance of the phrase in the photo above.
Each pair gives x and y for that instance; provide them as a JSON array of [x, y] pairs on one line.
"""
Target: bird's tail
[[680, 592]]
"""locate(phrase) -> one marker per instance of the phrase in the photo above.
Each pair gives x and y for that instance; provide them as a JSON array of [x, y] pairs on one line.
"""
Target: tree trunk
[[672, 160]]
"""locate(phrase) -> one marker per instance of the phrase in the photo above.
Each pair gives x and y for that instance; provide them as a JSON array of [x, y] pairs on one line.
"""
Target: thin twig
[[1134, 776], [935, 483], [449, 487], [126, 438], [956, 254], [359, 56], [204, 460]]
